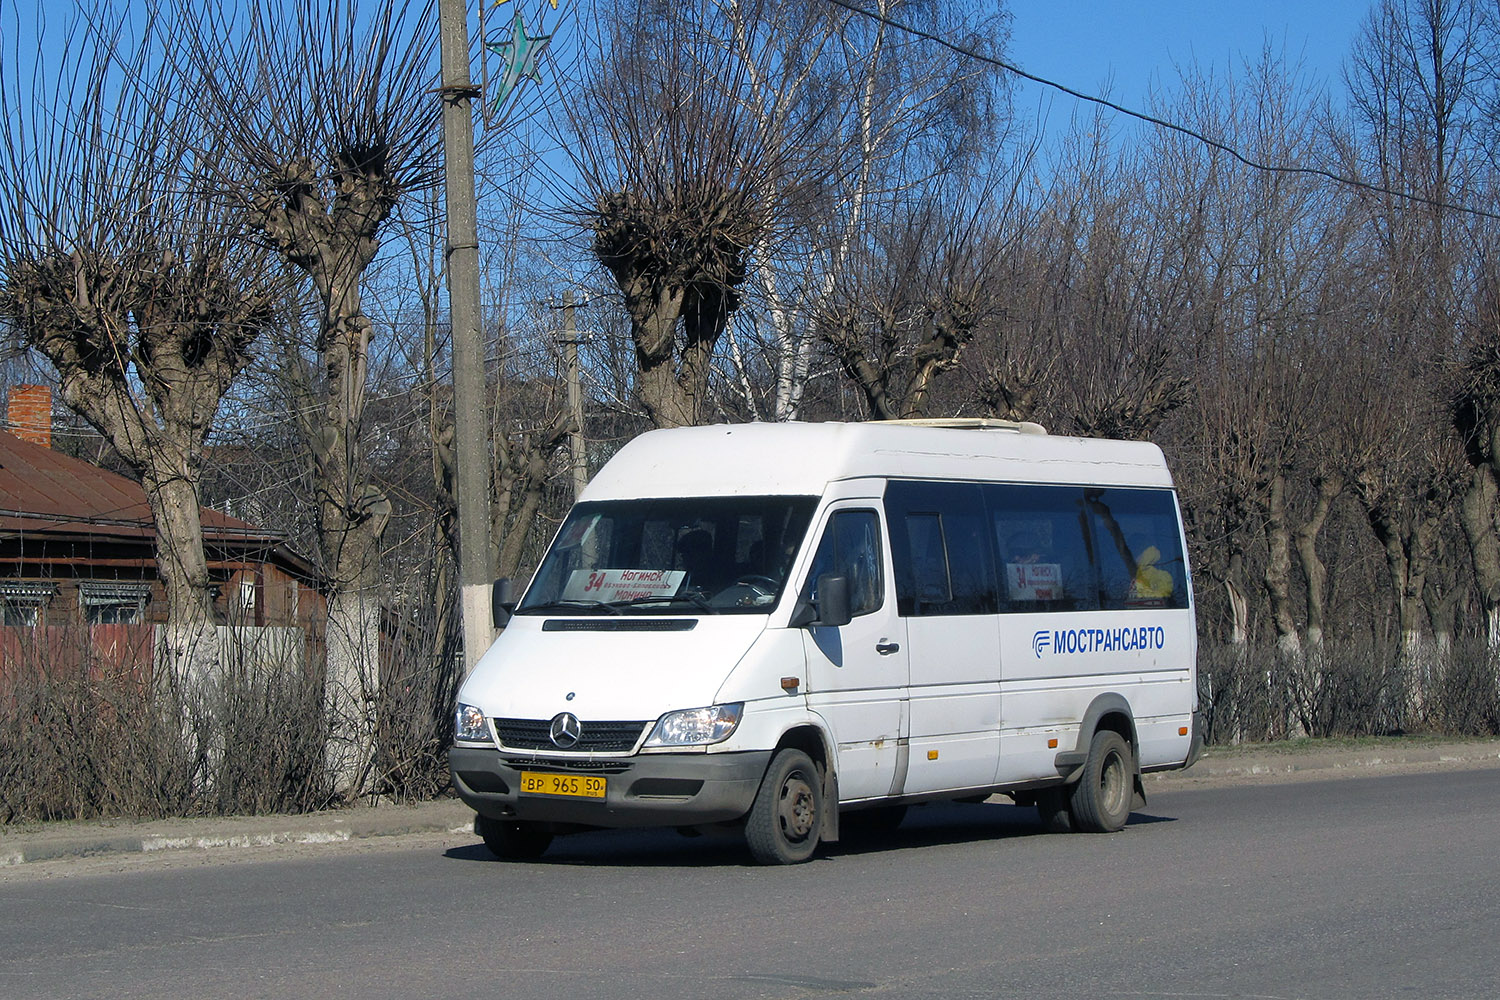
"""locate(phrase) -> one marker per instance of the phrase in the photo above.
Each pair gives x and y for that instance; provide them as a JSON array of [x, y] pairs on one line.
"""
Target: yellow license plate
[[585, 786]]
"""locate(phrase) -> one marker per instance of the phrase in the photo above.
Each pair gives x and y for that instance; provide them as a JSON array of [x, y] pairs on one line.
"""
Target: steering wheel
[[766, 584]]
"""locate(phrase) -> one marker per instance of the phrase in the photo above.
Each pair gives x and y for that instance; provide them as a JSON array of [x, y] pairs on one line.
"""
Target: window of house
[[21, 603], [113, 603]]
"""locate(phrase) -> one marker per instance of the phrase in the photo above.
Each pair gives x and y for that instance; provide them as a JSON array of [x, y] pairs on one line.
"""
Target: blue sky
[[1082, 43]]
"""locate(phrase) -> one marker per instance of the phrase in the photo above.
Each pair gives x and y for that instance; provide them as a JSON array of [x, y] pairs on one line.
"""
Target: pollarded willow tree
[[694, 141], [328, 119], [124, 266]]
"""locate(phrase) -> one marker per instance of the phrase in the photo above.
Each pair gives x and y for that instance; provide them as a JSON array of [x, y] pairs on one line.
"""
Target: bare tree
[[126, 268], [692, 139], [1414, 84], [1476, 415], [906, 306], [325, 109], [911, 112]]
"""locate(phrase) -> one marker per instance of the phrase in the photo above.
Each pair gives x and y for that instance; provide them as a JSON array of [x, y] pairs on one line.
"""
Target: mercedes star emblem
[[565, 730]]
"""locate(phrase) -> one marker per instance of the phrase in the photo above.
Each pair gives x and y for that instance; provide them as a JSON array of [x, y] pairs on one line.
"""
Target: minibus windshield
[[687, 555]]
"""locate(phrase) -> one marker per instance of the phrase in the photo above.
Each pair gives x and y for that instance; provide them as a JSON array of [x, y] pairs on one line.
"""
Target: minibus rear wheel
[[786, 821], [1101, 798], [510, 840]]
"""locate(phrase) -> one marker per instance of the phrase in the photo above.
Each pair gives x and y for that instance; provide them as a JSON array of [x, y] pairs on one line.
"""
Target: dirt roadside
[[366, 826]]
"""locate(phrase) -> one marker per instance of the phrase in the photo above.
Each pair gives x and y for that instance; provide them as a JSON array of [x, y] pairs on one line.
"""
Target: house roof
[[43, 491]]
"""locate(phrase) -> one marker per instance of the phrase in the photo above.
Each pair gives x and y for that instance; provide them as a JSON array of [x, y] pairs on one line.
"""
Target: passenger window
[[1140, 548], [931, 583], [1046, 557], [941, 549], [850, 547]]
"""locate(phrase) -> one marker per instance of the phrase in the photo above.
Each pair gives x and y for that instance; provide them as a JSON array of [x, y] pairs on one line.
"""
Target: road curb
[[59, 842], [1233, 765], [358, 823]]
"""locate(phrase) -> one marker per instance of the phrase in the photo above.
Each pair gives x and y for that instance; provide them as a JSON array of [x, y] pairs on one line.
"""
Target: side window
[[1139, 548], [1046, 549], [851, 547], [931, 582], [941, 549]]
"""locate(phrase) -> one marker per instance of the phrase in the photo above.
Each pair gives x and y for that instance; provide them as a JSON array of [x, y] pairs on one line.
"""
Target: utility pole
[[470, 437], [576, 444]]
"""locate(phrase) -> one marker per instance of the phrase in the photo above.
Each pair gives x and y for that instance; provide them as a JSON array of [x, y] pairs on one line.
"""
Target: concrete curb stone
[[28, 843], [54, 841], [1233, 763]]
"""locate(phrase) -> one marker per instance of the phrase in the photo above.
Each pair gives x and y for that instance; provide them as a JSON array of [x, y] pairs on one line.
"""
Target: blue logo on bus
[[1098, 640]]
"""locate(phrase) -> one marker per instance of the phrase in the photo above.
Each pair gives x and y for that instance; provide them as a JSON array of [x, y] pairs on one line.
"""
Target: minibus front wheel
[[786, 821], [510, 840]]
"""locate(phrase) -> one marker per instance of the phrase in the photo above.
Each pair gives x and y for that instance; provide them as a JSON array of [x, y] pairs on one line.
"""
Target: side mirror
[[501, 602], [830, 609], [833, 601]]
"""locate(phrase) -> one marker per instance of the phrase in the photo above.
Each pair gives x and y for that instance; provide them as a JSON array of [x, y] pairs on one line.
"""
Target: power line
[[1162, 123]]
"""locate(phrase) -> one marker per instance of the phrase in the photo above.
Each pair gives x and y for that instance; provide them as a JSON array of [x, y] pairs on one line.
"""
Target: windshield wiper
[[689, 598], [611, 606]]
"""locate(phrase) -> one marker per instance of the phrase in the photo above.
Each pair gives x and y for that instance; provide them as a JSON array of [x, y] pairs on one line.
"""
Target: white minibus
[[793, 627]]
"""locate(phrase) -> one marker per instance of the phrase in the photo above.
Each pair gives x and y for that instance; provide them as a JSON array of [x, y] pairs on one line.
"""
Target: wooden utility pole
[[471, 440]]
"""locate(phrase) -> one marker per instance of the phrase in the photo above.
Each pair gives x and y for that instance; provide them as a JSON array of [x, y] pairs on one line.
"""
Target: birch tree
[[912, 111]]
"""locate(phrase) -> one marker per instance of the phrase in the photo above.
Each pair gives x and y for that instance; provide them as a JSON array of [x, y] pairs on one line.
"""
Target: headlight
[[696, 726], [469, 726]]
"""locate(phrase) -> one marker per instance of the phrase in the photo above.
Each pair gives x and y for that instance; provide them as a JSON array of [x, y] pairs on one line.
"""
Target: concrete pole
[[471, 440], [576, 442]]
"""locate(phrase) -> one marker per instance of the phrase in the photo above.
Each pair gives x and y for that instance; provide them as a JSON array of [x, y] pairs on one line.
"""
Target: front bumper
[[644, 790]]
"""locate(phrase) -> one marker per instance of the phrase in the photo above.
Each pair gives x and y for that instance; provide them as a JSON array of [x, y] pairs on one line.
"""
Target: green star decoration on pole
[[519, 54]]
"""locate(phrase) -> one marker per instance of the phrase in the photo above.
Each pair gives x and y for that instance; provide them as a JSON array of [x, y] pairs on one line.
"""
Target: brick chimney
[[29, 415]]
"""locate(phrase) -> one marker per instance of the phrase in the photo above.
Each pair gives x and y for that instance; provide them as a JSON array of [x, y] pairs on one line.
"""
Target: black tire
[[869, 825], [786, 821], [1101, 798], [510, 840], [1053, 809]]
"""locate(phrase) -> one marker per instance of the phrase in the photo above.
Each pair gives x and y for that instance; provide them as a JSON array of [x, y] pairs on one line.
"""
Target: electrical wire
[[1163, 123]]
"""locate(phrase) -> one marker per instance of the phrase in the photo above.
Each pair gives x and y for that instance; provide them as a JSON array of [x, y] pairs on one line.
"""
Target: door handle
[[887, 648]]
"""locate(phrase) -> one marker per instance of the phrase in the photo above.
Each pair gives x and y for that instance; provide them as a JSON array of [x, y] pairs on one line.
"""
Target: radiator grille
[[559, 764], [594, 737]]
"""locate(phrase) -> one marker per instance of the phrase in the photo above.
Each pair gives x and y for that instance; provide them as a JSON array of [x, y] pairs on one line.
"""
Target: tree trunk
[[353, 514], [1405, 567], [653, 327], [191, 646], [1314, 572], [1477, 513], [352, 685], [1239, 602], [1278, 572]]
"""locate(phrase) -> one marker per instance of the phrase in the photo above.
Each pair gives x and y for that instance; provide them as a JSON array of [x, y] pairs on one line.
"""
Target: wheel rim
[[1112, 783], [795, 810]]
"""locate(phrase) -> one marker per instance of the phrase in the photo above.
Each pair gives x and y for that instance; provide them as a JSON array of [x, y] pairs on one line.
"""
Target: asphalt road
[[1356, 887]]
